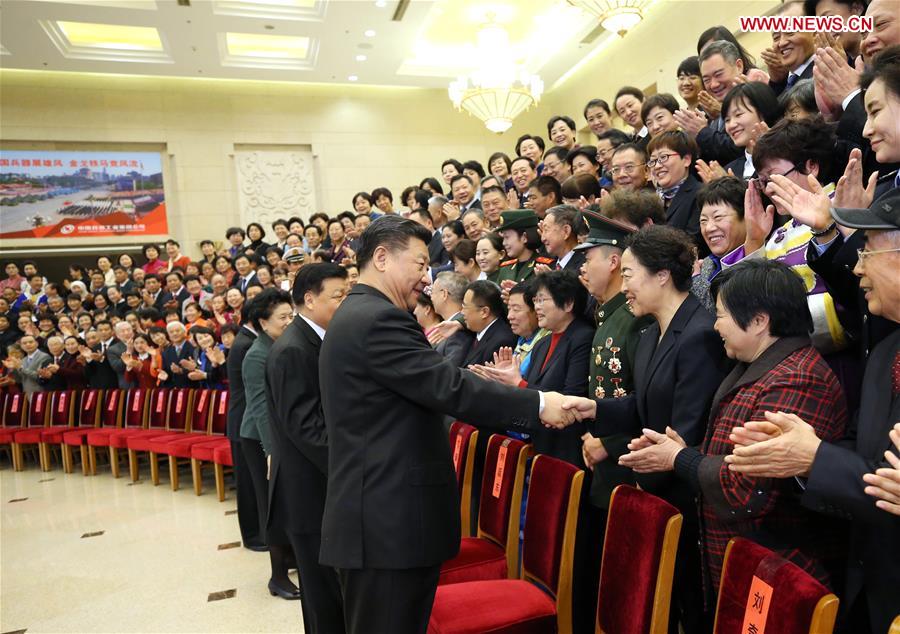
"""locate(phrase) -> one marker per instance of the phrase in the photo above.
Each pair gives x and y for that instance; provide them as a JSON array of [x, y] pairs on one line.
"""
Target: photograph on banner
[[54, 194]]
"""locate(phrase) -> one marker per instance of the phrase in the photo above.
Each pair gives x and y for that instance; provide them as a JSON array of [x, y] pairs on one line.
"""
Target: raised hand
[[756, 131], [710, 104], [709, 172], [757, 219], [443, 330], [811, 208], [834, 76], [884, 484], [188, 364], [451, 209], [512, 199], [778, 72], [850, 192], [691, 121]]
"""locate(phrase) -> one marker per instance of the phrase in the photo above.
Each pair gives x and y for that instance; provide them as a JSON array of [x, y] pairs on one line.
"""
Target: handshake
[[561, 411]]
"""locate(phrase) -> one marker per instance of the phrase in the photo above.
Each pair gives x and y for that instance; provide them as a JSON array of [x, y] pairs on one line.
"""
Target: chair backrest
[[63, 412], [219, 411], [179, 408], [15, 410], [201, 408], [463, 439], [551, 515], [761, 588], [158, 415], [136, 410], [636, 574], [89, 408], [39, 412], [113, 402], [499, 509]]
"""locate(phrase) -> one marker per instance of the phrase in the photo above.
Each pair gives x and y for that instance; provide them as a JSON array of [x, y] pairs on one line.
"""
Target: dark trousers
[[279, 551], [380, 601], [248, 514], [321, 605]]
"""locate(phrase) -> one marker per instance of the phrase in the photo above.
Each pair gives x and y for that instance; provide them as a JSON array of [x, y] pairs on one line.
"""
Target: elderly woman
[[763, 318], [270, 313]]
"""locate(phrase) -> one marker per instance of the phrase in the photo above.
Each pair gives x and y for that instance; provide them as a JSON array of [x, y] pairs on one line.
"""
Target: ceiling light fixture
[[352, 78], [361, 58], [617, 16], [369, 33], [499, 90], [381, 4]]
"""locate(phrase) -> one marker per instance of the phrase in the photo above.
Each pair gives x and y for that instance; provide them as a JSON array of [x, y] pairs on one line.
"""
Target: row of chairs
[[182, 424], [493, 586]]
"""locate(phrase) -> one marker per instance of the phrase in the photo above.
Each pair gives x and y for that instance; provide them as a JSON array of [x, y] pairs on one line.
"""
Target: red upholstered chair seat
[[141, 442], [222, 455], [118, 438], [54, 435], [75, 436], [508, 606], [6, 436], [178, 447], [477, 560], [28, 436], [98, 437], [205, 450], [799, 603]]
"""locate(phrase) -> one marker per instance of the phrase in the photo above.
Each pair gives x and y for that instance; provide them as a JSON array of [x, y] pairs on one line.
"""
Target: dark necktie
[[895, 375], [792, 79]]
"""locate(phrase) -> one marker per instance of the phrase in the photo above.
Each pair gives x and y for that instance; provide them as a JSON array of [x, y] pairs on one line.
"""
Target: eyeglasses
[[659, 160], [764, 180], [539, 300], [631, 168], [862, 254]]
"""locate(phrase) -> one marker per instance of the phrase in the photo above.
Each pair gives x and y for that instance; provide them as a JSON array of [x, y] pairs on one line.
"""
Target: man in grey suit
[[27, 372], [446, 295], [124, 333]]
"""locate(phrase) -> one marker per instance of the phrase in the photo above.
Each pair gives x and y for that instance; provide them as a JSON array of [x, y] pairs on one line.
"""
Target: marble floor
[[96, 554]]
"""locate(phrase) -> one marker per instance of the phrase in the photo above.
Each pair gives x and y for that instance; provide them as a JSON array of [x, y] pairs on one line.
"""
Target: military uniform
[[516, 270], [612, 361]]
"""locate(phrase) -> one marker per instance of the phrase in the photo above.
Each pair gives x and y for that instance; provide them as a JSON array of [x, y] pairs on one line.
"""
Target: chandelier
[[499, 90], [617, 16]]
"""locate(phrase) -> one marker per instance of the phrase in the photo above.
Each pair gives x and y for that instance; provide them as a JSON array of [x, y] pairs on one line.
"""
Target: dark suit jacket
[[437, 254], [456, 346], [101, 374], [674, 384], [57, 381], [299, 442], [575, 262], [850, 130], [737, 168], [716, 145], [72, 372], [498, 335], [169, 356], [237, 401], [392, 494], [237, 281], [835, 486], [780, 86], [684, 213], [162, 298], [566, 372]]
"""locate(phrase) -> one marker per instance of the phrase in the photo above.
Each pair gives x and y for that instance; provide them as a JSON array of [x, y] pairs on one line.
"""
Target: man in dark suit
[[99, 372], [153, 294], [392, 509], [834, 472], [795, 52], [178, 294], [485, 317], [437, 254], [447, 292], [172, 357], [246, 273], [248, 514], [559, 233], [299, 469], [49, 374]]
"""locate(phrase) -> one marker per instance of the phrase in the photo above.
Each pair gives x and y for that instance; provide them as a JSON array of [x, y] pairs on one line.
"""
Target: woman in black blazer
[[679, 364]]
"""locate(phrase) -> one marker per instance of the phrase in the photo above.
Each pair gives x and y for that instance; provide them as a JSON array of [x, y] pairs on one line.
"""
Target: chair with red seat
[[204, 451], [541, 599], [14, 414], [40, 404], [168, 417], [179, 445], [111, 415], [87, 418], [762, 589], [133, 418], [222, 458], [62, 417], [494, 553], [463, 439], [636, 572]]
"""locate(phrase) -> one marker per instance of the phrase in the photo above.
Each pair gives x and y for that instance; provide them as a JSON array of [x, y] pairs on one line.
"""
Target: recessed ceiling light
[[111, 36], [369, 33], [267, 46], [361, 58], [380, 3], [352, 78]]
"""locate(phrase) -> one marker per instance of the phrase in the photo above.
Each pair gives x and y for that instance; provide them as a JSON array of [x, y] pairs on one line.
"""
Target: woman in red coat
[[71, 365], [140, 361]]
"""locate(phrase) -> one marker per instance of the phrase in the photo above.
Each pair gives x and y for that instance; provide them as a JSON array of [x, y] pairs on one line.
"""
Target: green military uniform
[[519, 270], [612, 361]]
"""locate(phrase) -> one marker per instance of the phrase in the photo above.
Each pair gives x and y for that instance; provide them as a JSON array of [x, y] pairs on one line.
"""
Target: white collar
[[249, 277], [643, 132], [802, 67], [481, 276], [748, 165], [481, 334], [565, 259], [316, 327]]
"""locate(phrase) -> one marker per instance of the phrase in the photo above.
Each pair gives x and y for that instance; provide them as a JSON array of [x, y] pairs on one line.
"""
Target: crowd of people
[[707, 304]]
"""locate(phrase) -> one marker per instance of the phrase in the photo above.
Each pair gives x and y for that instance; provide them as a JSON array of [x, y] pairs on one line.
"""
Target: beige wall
[[362, 136]]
